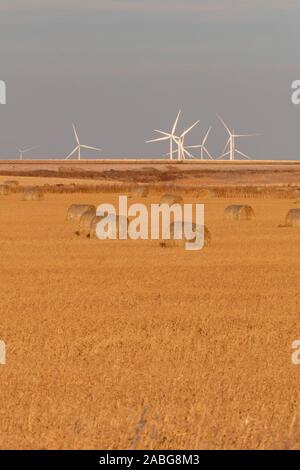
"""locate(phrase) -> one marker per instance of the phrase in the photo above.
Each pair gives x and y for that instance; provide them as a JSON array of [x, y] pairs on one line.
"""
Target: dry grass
[[60, 185], [11, 183], [125, 345]]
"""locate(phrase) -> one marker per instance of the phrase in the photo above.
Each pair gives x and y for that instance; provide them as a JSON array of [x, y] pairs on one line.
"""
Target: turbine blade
[[224, 155], [188, 153], [207, 152], [225, 125], [194, 146], [243, 154], [175, 123], [90, 148], [189, 129], [158, 140], [245, 135], [163, 133], [28, 150], [168, 154], [73, 151], [226, 145], [206, 136], [76, 136]]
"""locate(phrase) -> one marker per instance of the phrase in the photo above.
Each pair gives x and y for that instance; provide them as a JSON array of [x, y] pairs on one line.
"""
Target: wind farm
[[179, 150]]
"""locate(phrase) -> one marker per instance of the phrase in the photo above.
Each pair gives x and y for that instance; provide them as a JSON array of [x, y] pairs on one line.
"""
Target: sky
[[119, 69]]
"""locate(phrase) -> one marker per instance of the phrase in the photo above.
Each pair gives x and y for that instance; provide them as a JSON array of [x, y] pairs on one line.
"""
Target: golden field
[[123, 344]]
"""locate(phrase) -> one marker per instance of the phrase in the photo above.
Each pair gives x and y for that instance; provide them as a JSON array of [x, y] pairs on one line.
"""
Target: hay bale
[[85, 222], [293, 218], [32, 194], [118, 220], [93, 226], [205, 193], [4, 189], [239, 212], [75, 211], [139, 191], [171, 199], [11, 183], [192, 227]]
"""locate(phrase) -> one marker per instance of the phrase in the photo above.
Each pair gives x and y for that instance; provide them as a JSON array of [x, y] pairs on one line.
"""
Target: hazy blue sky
[[120, 68]]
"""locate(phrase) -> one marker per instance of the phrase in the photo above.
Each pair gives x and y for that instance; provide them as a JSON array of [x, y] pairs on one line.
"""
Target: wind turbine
[[22, 151], [79, 146], [182, 150], [168, 136], [231, 144], [203, 148]]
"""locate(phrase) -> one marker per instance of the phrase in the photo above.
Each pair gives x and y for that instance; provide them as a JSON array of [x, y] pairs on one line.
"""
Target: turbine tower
[[230, 147], [79, 146], [22, 151], [168, 136]]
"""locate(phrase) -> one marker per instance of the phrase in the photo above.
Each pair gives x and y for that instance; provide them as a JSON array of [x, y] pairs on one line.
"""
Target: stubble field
[[123, 344]]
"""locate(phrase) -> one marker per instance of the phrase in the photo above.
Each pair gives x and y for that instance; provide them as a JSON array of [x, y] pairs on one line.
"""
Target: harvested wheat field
[[122, 344]]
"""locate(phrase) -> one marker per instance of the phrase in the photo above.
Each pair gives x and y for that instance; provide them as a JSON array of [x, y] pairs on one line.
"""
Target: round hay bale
[[171, 199], [293, 218], [12, 183], [239, 212], [179, 226], [85, 222], [4, 189], [75, 211], [93, 226], [32, 194], [206, 193], [139, 191], [116, 220]]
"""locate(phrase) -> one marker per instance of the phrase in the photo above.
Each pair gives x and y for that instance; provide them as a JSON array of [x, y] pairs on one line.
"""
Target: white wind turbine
[[182, 150], [202, 146], [79, 146], [230, 147], [168, 136], [22, 151]]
